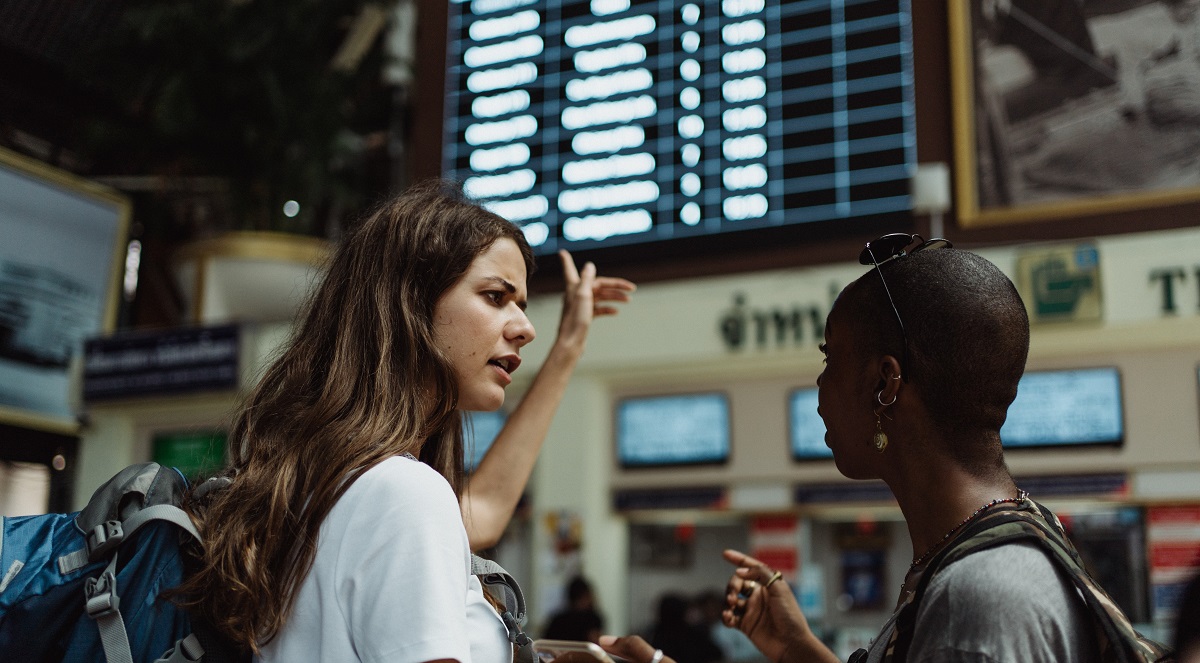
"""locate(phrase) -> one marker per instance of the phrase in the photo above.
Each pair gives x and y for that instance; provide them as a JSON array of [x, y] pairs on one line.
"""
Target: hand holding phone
[[570, 651]]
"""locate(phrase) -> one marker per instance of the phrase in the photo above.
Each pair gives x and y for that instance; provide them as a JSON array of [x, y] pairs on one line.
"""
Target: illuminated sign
[[681, 429], [617, 122]]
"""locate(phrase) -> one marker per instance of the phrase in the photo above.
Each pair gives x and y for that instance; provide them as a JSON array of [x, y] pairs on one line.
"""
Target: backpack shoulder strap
[[504, 589], [1034, 523]]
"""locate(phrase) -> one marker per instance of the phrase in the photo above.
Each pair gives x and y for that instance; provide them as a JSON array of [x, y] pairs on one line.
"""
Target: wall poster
[[1066, 108]]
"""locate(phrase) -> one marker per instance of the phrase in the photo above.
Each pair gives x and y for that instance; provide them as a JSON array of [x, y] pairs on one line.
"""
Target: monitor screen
[[1072, 407], [807, 428], [673, 430], [479, 431], [598, 123]]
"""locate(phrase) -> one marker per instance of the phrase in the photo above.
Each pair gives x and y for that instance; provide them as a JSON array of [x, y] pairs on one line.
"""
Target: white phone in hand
[[571, 651]]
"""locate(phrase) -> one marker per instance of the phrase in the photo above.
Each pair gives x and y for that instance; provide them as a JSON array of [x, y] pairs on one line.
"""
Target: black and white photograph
[[1069, 107]]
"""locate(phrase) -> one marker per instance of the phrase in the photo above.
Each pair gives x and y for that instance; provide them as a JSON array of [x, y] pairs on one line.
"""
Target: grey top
[[1008, 604]]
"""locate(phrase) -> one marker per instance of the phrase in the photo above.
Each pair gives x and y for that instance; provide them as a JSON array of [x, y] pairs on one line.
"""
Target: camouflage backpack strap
[[1118, 641]]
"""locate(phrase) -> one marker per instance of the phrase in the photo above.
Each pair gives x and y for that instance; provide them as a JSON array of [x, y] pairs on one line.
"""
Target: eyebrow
[[509, 288]]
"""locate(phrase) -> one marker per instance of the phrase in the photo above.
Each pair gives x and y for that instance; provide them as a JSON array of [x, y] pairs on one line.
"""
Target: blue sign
[[175, 361]]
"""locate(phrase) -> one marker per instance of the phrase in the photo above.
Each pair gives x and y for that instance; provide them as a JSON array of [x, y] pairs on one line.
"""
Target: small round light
[[690, 214], [689, 98], [291, 208], [690, 154], [59, 462], [690, 41]]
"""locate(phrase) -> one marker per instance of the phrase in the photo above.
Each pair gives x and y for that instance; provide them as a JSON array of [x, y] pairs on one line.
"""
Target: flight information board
[[605, 122], [681, 429]]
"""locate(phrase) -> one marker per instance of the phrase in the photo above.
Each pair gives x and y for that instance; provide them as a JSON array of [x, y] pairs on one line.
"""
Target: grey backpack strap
[[504, 589], [104, 606], [187, 650]]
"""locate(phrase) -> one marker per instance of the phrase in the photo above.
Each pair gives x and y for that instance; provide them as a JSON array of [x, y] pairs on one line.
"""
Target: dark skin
[[934, 490]]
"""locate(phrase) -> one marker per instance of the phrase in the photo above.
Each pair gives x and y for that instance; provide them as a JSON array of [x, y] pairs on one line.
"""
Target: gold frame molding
[[73, 185], [966, 170]]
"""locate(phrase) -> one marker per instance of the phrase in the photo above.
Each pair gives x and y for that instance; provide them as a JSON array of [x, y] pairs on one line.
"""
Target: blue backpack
[[87, 586]]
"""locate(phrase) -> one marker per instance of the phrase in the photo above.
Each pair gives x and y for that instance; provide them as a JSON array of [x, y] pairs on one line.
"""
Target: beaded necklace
[[1021, 497]]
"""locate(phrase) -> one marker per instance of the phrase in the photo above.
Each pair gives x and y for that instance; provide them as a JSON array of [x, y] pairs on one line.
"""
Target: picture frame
[[1065, 108], [60, 262]]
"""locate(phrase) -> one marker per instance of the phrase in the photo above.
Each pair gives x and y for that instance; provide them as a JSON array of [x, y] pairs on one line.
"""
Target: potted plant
[[244, 121]]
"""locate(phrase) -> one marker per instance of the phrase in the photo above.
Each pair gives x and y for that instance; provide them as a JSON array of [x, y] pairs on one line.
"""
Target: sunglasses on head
[[893, 247]]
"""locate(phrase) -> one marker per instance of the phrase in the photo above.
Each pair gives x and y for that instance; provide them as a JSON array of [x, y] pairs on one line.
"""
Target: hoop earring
[[880, 439]]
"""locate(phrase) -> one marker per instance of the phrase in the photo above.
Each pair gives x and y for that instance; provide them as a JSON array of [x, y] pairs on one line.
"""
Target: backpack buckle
[[101, 595], [103, 538]]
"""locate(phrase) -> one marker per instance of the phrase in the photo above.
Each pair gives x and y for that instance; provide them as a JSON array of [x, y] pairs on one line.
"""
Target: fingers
[[615, 284], [749, 576], [748, 567], [570, 273], [631, 647]]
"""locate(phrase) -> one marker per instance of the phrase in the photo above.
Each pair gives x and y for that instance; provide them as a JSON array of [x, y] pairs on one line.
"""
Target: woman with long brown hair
[[341, 536]]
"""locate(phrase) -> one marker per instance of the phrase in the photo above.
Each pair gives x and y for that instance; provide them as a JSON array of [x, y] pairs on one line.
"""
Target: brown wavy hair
[[359, 381]]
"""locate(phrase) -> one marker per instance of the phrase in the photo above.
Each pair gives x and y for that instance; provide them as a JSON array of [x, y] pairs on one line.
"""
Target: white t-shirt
[[391, 581]]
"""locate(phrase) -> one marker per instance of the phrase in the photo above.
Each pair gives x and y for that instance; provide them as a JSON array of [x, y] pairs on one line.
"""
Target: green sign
[[1061, 284], [196, 454]]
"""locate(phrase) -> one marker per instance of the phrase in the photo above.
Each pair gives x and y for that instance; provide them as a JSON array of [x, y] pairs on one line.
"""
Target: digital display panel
[[1055, 408], [807, 428], [479, 432], [673, 430], [615, 122]]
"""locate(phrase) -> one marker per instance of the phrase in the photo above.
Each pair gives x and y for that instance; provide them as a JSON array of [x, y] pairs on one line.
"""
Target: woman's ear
[[889, 379]]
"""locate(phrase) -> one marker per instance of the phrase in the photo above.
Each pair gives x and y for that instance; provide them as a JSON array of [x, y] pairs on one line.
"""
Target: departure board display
[[479, 432], [614, 122], [1057, 408], [807, 427], [686, 429]]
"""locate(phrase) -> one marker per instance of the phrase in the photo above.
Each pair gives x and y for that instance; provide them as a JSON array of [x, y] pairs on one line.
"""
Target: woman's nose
[[521, 329]]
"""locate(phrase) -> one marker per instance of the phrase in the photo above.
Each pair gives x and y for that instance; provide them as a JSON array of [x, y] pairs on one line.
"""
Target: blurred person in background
[[579, 621]]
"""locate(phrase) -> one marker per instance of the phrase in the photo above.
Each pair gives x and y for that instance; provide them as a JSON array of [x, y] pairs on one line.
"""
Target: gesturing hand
[[585, 297], [761, 605]]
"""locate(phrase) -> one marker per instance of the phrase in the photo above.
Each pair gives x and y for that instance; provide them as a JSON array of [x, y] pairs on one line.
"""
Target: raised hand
[[586, 296]]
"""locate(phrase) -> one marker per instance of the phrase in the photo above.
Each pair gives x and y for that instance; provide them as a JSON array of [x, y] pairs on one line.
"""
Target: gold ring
[[776, 576]]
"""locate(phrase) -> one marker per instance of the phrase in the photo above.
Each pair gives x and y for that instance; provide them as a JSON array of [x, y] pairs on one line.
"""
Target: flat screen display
[[1056, 408], [685, 429], [597, 123], [807, 428], [479, 432]]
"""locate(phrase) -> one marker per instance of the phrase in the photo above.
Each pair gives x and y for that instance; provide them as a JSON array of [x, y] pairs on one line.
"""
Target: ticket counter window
[[24, 488]]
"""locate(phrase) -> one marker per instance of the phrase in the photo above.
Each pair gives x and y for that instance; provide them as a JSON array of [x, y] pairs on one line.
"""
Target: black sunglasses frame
[[895, 246]]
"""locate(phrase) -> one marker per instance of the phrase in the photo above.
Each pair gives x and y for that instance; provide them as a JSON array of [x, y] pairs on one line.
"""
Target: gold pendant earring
[[880, 438]]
